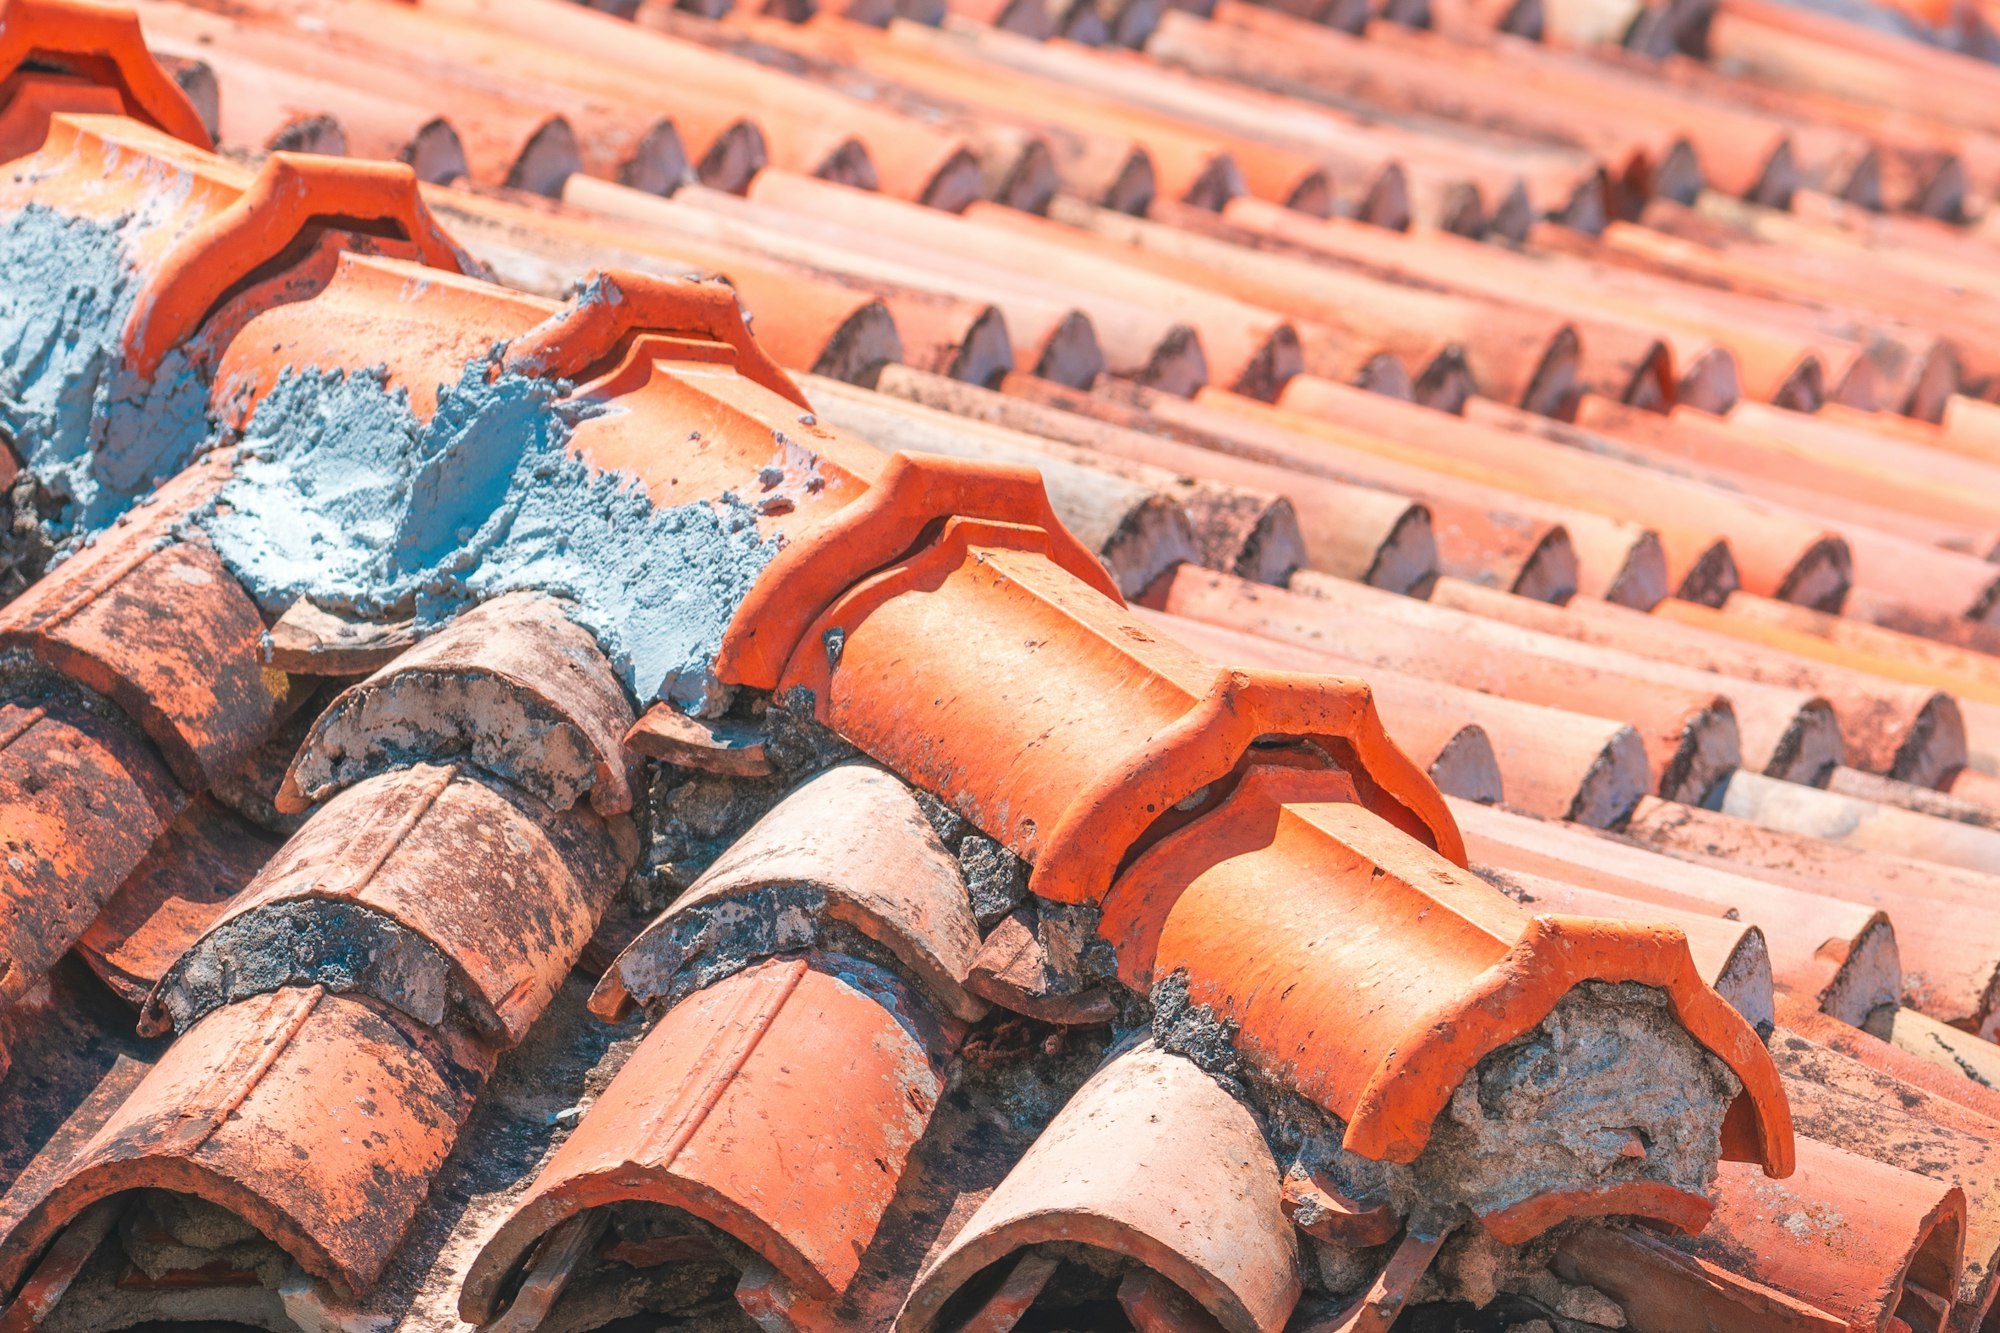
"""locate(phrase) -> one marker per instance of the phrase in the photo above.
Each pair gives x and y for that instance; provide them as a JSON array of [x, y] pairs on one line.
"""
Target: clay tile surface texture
[[1152, 1163], [259, 1109], [970, 665], [730, 1112]]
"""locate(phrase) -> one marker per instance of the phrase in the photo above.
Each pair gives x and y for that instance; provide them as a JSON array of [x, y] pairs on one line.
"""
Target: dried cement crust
[[1608, 1089]]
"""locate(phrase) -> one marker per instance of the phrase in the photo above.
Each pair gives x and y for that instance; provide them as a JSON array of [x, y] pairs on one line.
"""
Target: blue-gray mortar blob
[[343, 495], [94, 434]]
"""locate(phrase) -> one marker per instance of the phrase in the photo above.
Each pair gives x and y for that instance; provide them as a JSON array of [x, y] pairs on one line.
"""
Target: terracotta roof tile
[[202, 861], [738, 1137], [1947, 968], [1898, 731], [1151, 1162], [1550, 441], [1484, 530], [1836, 956], [260, 1108]]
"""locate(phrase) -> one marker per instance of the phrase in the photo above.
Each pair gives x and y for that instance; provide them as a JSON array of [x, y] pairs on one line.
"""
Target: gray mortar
[[343, 495], [1550, 1111], [1475, 1268], [691, 818], [342, 946], [950, 826], [93, 434], [996, 879], [701, 945], [711, 942], [1195, 1031], [429, 717]]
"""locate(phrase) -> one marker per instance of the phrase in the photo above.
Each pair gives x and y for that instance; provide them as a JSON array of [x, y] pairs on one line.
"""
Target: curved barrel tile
[[779, 1105], [1100, 733], [81, 800], [195, 227], [1372, 976], [291, 194], [98, 45], [618, 306], [653, 362], [887, 521], [1663, 1290], [434, 888], [514, 684], [849, 847], [157, 624], [201, 862], [317, 1118], [1151, 1161], [1865, 1242]]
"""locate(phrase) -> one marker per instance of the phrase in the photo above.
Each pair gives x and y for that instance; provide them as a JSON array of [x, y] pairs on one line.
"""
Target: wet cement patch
[[93, 434], [345, 496]]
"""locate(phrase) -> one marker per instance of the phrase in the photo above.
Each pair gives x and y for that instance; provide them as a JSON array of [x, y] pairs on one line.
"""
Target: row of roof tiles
[[1140, 977]]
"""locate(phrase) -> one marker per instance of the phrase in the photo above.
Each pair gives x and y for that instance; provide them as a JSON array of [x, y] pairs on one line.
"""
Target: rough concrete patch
[[713, 941], [709, 942], [693, 818], [345, 496], [341, 946], [996, 879], [1608, 1087], [799, 743], [1194, 1031], [432, 716], [1045, 960], [1559, 1109]]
